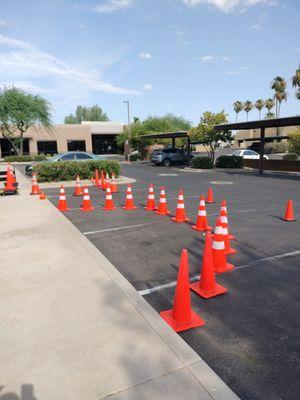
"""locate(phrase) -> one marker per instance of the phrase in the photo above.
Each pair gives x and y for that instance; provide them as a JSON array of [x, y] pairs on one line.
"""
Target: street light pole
[[129, 124]]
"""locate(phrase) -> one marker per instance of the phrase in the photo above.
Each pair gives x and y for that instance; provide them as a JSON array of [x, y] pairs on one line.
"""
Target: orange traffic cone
[[42, 196], [10, 183], [35, 187], [224, 207], [150, 206], [210, 196], [107, 180], [202, 224], [289, 212], [129, 203], [182, 317], [103, 181], [78, 190], [113, 184], [109, 203], [218, 247], [180, 210], [62, 200], [162, 204], [207, 286], [86, 203], [96, 179], [224, 222]]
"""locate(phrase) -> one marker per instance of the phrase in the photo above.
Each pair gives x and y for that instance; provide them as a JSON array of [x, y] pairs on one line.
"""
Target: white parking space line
[[117, 229], [196, 277]]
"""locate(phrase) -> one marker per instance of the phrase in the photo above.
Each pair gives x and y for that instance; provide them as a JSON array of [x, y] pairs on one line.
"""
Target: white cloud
[[180, 37], [229, 5], [239, 71], [28, 86], [147, 86], [21, 57], [298, 49], [145, 55], [209, 58], [256, 27], [3, 23], [113, 5]]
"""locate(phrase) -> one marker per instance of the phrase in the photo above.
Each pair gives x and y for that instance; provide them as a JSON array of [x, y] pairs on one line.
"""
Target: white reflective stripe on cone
[[180, 197], [151, 197], [202, 203], [87, 197], [225, 231], [180, 205], [202, 213], [162, 200], [129, 189], [223, 219], [109, 197], [162, 192], [218, 245], [224, 209], [129, 196], [219, 230]]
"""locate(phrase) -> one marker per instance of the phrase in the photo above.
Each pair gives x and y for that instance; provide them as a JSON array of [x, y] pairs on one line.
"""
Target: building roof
[[166, 135]]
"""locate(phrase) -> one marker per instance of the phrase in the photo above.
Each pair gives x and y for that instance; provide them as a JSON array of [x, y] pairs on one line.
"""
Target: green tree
[[259, 105], [296, 82], [269, 104], [269, 115], [94, 113], [248, 105], [18, 112], [294, 141], [279, 86], [205, 133], [238, 107]]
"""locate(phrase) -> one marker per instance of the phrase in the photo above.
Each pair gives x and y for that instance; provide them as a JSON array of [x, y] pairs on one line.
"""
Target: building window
[[47, 147], [76, 145]]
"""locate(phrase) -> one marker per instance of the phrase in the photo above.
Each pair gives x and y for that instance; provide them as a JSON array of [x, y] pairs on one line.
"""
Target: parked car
[[255, 146], [169, 156], [247, 154], [70, 156]]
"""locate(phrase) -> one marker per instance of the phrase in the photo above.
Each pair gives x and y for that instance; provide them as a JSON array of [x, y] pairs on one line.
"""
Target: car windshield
[[53, 158], [236, 153]]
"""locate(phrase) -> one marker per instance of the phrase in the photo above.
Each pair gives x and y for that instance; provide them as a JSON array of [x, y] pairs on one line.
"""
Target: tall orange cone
[[107, 182], [129, 202], [289, 212], [78, 190], [202, 224], [207, 286], [86, 203], [224, 207], [10, 183], [96, 179], [103, 181], [109, 203], [218, 247], [113, 184], [62, 200], [210, 196], [182, 317], [162, 204], [34, 186], [224, 222], [150, 206], [180, 209]]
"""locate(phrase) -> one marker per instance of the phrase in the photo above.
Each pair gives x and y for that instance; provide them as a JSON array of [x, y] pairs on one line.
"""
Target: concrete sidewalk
[[73, 328]]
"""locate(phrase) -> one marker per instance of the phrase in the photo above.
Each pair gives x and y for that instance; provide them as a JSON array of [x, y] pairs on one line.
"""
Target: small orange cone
[[219, 255], [182, 317], [224, 207], [150, 206], [180, 209], [202, 224], [210, 196], [224, 222], [96, 179], [107, 181], [62, 200], [35, 187], [109, 203], [129, 203], [113, 184], [207, 286], [289, 212], [42, 196], [162, 204], [78, 190], [103, 181], [86, 203]]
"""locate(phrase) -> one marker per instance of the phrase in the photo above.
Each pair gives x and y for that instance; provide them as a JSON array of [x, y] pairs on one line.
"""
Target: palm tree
[[279, 85], [259, 105], [270, 115], [238, 107], [296, 82], [248, 105], [269, 104]]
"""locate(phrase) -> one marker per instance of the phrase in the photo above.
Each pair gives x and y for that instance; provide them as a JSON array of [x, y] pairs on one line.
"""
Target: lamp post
[[129, 126]]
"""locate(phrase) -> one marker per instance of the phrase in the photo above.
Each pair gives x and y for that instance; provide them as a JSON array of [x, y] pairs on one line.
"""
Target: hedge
[[230, 162], [202, 162], [67, 170], [134, 157], [38, 157], [290, 156]]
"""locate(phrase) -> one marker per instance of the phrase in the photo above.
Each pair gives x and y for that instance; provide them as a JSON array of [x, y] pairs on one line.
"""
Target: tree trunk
[[21, 143], [259, 114], [236, 114], [12, 143]]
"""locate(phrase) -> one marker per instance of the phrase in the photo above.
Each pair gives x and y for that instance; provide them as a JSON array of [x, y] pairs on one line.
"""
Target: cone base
[[34, 193], [109, 209], [180, 220], [209, 202], [289, 219], [207, 294], [231, 237], [77, 194], [162, 213], [231, 251], [195, 321], [208, 228], [228, 267], [129, 208], [63, 209], [86, 209], [114, 191], [150, 209]]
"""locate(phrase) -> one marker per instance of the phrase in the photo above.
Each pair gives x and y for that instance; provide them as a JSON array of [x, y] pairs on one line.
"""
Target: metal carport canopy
[[262, 125], [169, 135]]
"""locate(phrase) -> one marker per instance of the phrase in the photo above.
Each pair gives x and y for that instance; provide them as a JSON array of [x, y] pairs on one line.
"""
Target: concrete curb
[[121, 180]]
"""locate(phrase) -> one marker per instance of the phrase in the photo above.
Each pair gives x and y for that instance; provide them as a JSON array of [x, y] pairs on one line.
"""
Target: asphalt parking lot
[[251, 336]]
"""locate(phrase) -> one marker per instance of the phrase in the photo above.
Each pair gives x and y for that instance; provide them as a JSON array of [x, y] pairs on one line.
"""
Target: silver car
[[169, 156]]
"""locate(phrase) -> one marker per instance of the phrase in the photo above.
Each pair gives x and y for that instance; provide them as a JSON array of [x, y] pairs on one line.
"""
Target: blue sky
[[179, 56]]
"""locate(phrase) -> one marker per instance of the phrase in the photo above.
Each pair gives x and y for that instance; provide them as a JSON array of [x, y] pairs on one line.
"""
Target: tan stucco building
[[245, 138], [94, 137]]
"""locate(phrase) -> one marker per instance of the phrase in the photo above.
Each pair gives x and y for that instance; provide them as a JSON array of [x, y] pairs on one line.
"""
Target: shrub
[[67, 170], [294, 142], [280, 147], [290, 156], [202, 162], [230, 162], [39, 157], [134, 157], [18, 158]]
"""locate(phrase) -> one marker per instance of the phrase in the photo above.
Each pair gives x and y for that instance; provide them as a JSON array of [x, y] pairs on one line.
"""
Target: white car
[[247, 154]]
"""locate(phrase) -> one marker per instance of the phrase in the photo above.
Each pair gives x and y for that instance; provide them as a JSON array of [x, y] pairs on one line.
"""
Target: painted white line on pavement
[[116, 229], [197, 277]]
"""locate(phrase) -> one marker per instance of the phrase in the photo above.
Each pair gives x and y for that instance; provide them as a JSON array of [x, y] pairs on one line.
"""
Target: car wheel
[[166, 162]]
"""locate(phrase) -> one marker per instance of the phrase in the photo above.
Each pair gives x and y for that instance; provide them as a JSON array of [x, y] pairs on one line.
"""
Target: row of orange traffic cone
[[11, 184]]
